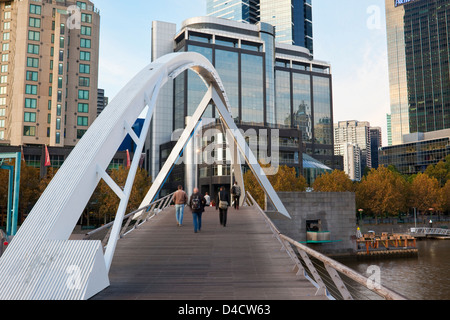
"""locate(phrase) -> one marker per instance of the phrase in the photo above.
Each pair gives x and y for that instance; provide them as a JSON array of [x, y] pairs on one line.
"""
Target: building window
[[83, 94], [33, 49], [35, 22], [84, 82], [2, 123], [32, 76], [33, 62], [29, 117], [83, 121], [85, 56], [58, 138], [31, 89], [85, 68], [85, 43], [86, 31], [34, 35], [80, 133], [30, 103], [29, 131], [86, 18], [34, 9], [83, 108], [81, 5]]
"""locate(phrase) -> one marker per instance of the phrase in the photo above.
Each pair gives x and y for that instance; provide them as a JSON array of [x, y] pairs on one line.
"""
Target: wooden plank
[[242, 261]]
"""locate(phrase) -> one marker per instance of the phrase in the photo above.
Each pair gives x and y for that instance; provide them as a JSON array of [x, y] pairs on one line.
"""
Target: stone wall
[[336, 211]]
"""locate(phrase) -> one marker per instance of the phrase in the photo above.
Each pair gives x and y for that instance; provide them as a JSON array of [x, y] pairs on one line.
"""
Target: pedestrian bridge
[[246, 260]]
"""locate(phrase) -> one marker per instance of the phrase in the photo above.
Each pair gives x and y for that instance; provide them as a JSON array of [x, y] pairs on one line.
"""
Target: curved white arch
[[40, 262]]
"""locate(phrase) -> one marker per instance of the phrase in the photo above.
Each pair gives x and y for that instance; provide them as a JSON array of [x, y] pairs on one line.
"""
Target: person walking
[[197, 203], [236, 194], [222, 204], [180, 199], [207, 199]]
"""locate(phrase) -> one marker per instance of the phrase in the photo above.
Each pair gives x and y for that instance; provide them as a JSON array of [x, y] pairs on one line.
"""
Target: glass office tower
[[269, 85], [418, 51], [292, 19], [239, 10]]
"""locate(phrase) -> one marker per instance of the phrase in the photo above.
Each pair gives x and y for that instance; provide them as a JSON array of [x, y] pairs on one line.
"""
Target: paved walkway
[[242, 261]]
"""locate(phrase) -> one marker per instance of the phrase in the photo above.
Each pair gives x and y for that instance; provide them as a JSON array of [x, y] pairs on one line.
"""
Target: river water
[[425, 277]]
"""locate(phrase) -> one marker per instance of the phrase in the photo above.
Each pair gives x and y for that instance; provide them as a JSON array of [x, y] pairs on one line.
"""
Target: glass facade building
[[418, 51], [239, 10], [419, 151], [269, 85], [292, 19]]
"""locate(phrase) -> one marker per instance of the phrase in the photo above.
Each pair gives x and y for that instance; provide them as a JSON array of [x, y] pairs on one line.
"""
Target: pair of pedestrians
[[197, 204]]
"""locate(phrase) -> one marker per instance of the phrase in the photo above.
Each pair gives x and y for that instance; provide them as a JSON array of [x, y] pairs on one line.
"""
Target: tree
[[439, 171], [285, 180], [108, 202], [383, 191], [445, 197], [336, 181], [29, 190], [425, 193]]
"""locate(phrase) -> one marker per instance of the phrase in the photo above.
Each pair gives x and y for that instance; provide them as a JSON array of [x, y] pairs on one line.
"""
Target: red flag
[[128, 159], [23, 155], [47, 158]]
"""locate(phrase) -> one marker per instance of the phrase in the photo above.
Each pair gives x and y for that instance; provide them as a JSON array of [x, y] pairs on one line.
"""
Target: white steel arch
[[41, 262]]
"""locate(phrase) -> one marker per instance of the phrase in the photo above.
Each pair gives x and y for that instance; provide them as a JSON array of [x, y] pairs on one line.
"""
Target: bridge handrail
[[146, 213], [331, 266], [430, 231]]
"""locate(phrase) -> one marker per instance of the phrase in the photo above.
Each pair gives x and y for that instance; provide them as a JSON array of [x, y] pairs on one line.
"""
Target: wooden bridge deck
[[242, 261]]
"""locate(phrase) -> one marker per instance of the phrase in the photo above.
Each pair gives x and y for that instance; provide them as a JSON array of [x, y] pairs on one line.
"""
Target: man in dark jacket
[[197, 204], [224, 198]]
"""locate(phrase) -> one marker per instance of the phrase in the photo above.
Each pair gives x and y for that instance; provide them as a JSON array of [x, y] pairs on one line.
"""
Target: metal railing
[[132, 220], [430, 231], [331, 278]]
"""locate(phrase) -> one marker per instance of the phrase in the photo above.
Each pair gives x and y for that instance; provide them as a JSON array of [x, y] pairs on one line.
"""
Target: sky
[[348, 34]]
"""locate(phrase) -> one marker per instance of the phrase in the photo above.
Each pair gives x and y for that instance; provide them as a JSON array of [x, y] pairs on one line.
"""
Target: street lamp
[[360, 216]]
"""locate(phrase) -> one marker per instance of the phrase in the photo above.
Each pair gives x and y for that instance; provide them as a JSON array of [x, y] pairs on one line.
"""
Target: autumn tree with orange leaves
[[336, 181]]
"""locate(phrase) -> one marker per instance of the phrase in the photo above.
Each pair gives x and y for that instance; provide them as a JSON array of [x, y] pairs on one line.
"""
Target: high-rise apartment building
[[49, 71], [376, 142], [419, 58], [353, 133], [292, 19]]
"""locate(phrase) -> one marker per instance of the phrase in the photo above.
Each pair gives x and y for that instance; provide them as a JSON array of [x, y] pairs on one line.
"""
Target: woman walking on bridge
[[222, 204]]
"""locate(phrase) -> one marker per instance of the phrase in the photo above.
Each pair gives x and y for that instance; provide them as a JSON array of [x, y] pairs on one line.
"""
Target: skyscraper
[[239, 10], [292, 19], [49, 71], [418, 52], [353, 133]]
